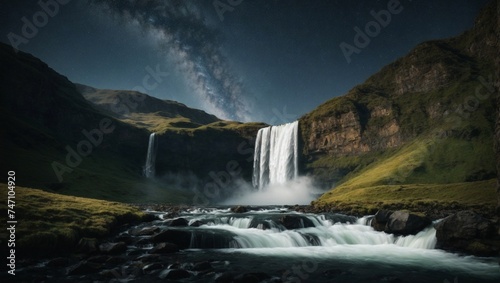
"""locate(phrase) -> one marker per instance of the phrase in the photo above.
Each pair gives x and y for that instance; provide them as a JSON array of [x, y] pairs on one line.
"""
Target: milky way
[[184, 36]]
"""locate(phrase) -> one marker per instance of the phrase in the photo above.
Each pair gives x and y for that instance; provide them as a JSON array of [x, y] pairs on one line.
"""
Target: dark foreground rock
[[295, 222], [468, 232], [399, 222]]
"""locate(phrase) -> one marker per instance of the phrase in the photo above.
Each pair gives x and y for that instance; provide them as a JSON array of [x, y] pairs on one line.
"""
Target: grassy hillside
[[423, 122], [52, 223]]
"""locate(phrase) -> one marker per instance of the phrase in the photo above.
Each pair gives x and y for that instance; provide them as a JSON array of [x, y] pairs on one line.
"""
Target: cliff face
[[431, 92]]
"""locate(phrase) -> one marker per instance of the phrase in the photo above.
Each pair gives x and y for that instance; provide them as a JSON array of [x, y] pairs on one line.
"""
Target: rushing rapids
[[276, 155], [266, 244]]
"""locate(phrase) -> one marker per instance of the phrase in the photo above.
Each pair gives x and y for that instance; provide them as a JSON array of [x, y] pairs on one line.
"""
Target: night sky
[[262, 60]]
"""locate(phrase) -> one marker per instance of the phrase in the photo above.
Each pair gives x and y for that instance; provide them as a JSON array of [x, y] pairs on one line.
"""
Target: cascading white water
[[149, 167], [328, 234], [276, 155]]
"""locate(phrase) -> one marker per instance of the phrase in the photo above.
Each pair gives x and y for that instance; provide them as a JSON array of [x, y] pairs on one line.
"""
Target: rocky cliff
[[440, 91]]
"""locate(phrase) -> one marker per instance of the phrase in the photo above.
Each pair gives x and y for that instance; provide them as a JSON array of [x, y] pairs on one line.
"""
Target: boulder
[[467, 231], [174, 274], [197, 223], [239, 209], [146, 231], [164, 248], [179, 222], [87, 245], [113, 248], [295, 222], [380, 220], [82, 268], [202, 266], [405, 223], [251, 277], [181, 238]]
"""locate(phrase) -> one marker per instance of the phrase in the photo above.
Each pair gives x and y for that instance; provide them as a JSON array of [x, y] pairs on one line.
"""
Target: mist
[[298, 191]]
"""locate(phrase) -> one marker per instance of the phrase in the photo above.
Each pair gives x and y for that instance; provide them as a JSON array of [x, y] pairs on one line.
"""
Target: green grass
[[49, 222], [480, 196]]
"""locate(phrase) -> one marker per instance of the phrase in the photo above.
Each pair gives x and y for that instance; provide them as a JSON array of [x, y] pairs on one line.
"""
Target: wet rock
[[148, 258], [58, 262], [202, 266], [469, 232], [149, 217], [239, 209], [226, 277], [113, 248], [147, 231], [87, 245], [251, 277], [143, 242], [82, 268], [117, 260], [179, 222], [165, 248], [98, 259], [313, 240], [196, 223], [181, 238], [295, 222], [152, 267], [174, 274], [405, 223], [380, 220], [126, 238]]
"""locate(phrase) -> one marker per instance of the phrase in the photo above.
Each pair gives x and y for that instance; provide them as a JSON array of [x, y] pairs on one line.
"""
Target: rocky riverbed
[[271, 244]]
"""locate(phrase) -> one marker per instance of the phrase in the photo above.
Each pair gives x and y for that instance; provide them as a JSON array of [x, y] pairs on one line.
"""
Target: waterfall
[[149, 167], [276, 155]]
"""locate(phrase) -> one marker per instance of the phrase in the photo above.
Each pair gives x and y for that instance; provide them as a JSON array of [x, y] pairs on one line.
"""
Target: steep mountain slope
[[426, 118], [54, 139]]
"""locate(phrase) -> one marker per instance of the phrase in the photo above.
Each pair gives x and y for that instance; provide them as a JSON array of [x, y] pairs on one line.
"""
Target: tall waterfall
[[149, 167], [276, 155]]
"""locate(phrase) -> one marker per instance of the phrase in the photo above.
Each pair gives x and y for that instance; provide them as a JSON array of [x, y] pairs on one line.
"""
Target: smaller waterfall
[[149, 167]]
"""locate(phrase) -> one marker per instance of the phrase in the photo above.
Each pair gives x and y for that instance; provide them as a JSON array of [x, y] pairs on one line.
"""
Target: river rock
[[251, 277], [405, 223], [87, 245], [295, 222], [113, 248], [58, 262], [146, 231], [179, 222], [469, 232], [83, 267], [181, 238], [380, 220], [165, 248], [174, 274], [239, 209], [202, 266]]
